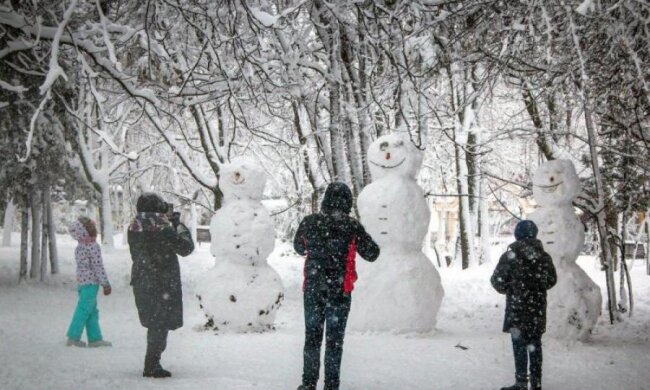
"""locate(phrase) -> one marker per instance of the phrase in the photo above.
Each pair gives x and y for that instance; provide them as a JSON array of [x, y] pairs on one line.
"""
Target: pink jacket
[[88, 255]]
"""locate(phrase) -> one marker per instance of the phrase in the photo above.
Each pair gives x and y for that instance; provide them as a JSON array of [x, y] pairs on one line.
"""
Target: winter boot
[[519, 385], [156, 372], [76, 343], [99, 343], [152, 367]]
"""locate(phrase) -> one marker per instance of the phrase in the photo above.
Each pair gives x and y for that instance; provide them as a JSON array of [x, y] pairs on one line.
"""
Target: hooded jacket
[[524, 273], [88, 256], [155, 273], [330, 240]]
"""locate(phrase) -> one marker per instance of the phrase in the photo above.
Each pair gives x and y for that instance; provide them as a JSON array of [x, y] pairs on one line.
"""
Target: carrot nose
[[387, 156]]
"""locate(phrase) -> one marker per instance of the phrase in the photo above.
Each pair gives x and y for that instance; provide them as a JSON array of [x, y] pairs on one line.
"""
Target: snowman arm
[[366, 246], [501, 278]]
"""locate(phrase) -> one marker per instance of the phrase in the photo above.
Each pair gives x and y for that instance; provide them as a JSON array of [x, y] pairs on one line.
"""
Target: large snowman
[[401, 291], [241, 293], [574, 304]]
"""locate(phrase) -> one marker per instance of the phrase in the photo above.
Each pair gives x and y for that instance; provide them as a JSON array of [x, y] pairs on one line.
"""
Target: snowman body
[[401, 291], [574, 303], [241, 293]]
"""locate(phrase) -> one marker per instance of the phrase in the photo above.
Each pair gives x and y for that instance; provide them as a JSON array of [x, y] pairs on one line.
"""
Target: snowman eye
[[399, 144], [383, 146]]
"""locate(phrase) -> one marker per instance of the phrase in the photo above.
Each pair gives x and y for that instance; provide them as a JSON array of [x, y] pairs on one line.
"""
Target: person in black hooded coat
[[155, 238], [524, 273], [329, 240]]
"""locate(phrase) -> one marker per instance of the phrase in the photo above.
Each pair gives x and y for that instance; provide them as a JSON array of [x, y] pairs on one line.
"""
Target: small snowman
[[574, 304], [402, 292], [241, 293]]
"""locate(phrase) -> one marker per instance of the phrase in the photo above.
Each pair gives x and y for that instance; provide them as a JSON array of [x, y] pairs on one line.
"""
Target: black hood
[[525, 229], [338, 197], [150, 202]]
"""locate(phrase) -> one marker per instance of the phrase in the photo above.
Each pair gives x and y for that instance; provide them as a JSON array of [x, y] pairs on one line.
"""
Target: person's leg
[[521, 361], [156, 345], [535, 354], [521, 356], [93, 331], [314, 324], [85, 306], [336, 316]]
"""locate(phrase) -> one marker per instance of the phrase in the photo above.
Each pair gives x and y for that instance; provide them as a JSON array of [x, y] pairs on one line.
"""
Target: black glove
[[175, 219]]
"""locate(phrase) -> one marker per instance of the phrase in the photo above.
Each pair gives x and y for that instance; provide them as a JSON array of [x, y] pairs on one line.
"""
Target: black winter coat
[[524, 273], [329, 240], [155, 274]]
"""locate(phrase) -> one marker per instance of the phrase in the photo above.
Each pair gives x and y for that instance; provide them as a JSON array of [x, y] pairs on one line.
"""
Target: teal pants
[[86, 315]]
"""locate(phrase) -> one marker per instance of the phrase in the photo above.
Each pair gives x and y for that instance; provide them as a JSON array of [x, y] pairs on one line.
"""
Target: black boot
[[156, 372], [156, 344], [519, 385], [306, 387]]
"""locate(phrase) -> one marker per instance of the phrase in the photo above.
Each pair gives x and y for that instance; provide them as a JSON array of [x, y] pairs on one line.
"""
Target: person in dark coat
[[156, 237], [329, 240], [524, 273]]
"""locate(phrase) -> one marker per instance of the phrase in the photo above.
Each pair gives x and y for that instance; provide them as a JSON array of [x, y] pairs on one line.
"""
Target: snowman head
[[242, 179], [556, 183], [394, 154]]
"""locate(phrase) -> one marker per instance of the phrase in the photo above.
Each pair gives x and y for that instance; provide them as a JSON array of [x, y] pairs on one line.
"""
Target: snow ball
[[394, 154], [242, 178], [556, 183]]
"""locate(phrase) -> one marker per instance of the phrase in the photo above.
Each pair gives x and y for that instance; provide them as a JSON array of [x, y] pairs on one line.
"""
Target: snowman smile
[[550, 188], [241, 180], [389, 166]]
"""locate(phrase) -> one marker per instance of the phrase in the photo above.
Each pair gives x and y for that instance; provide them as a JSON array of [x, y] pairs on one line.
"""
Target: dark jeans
[[156, 344], [527, 348], [322, 311]]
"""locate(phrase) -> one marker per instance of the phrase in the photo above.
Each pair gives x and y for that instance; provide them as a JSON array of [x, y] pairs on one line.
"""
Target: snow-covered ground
[[34, 318]]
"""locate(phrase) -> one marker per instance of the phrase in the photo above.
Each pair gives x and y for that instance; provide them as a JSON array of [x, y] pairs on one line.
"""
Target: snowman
[[402, 291], [574, 303], [241, 293]]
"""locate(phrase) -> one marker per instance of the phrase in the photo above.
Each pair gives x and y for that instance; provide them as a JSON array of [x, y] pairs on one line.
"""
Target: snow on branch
[[107, 40], [53, 74], [12, 88], [55, 70]]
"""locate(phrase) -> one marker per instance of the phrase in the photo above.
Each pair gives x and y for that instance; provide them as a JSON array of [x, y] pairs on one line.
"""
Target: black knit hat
[[150, 202], [525, 229]]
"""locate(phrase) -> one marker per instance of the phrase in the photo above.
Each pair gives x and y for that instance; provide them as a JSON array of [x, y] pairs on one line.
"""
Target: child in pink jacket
[[90, 275]]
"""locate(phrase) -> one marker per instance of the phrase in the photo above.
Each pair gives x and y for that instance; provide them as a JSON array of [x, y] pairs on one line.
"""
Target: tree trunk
[[106, 218], [51, 232], [24, 239], [36, 235], [647, 243], [483, 222], [463, 210], [606, 253], [45, 231], [8, 226], [306, 162]]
